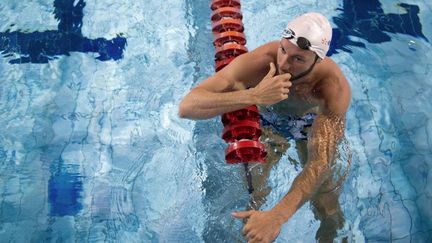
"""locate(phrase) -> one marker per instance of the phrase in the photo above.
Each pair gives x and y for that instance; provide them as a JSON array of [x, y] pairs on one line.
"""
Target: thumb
[[272, 71], [243, 214]]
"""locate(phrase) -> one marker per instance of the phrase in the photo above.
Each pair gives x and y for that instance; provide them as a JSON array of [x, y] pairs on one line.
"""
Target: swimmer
[[291, 78]]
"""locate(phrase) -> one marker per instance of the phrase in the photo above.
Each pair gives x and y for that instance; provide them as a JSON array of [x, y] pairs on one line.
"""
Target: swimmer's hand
[[261, 226], [272, 89]]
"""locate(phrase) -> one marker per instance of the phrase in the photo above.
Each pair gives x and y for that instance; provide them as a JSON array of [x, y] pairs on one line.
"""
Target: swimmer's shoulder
[[263, 55], [250, 68], [333, 89]]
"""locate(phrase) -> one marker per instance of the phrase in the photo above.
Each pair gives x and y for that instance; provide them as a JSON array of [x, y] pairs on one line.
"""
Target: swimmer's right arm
[[216, 95], [204, 103], [220, 94]]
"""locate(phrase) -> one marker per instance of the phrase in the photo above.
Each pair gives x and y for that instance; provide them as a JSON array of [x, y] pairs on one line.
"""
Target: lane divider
[[242, 128]]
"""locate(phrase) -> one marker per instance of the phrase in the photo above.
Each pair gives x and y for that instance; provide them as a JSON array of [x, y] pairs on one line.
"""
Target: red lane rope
[[242, 127]]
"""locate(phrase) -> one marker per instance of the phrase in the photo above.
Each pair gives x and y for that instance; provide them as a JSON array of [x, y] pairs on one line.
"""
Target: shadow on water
[[65, 184], [64, 190], [367, 20], [41, 47]]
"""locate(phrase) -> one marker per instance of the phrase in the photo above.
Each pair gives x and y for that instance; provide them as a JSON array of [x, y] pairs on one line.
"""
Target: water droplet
[[412, 45]]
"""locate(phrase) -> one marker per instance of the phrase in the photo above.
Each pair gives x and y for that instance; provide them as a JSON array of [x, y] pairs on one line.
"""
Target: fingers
[[272, 71], [243, 214], [287, 84], [251, 238], [256, 240], [246, 231], [285, 78]]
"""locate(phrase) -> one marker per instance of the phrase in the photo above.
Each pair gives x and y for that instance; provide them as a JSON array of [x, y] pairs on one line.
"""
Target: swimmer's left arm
[[264, 226], [327, 131]]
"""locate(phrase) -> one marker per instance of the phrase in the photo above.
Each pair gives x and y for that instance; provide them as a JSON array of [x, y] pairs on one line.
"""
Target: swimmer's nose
[[283, 70], [283, 66]]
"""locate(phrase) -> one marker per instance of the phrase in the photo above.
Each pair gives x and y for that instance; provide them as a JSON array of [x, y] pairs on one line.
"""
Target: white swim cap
[[315, 28]]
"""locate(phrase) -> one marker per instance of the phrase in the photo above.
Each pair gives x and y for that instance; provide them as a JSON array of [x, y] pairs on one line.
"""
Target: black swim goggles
[[302, 42]]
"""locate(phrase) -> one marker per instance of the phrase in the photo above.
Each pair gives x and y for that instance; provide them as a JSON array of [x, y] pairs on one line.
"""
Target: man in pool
[[291, 77]]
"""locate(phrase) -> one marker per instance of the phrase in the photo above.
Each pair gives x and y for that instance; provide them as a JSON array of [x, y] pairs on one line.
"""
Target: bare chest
[[301, 99]]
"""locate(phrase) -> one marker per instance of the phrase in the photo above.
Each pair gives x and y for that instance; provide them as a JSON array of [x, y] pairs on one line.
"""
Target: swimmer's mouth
[[282, 72], [292, 77]]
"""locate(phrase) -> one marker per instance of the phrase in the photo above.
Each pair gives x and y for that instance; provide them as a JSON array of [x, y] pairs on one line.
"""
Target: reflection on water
[[92, 150], [41, 47], [368, 21]]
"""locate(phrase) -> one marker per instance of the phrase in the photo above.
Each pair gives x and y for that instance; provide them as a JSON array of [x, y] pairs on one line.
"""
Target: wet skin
[[267, 76]]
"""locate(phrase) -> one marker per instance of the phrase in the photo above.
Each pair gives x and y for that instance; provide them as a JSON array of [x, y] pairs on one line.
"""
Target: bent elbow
[[189, 107], [182, 114], [183, 110]]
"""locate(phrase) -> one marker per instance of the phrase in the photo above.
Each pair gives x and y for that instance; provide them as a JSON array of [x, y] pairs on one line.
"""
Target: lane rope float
[[242, 128]]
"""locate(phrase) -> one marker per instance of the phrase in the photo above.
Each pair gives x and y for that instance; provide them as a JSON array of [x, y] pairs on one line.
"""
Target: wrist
[[254, 96], [278, 216], [284, 211]]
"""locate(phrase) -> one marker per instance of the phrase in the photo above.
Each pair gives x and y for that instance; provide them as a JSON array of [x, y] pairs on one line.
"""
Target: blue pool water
[[92, 150]]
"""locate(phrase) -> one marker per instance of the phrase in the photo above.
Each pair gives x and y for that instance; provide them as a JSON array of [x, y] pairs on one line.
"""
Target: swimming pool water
[[91, 148]]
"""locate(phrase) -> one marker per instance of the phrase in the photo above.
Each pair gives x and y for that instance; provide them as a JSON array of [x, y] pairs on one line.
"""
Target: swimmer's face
[[292, 59]]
